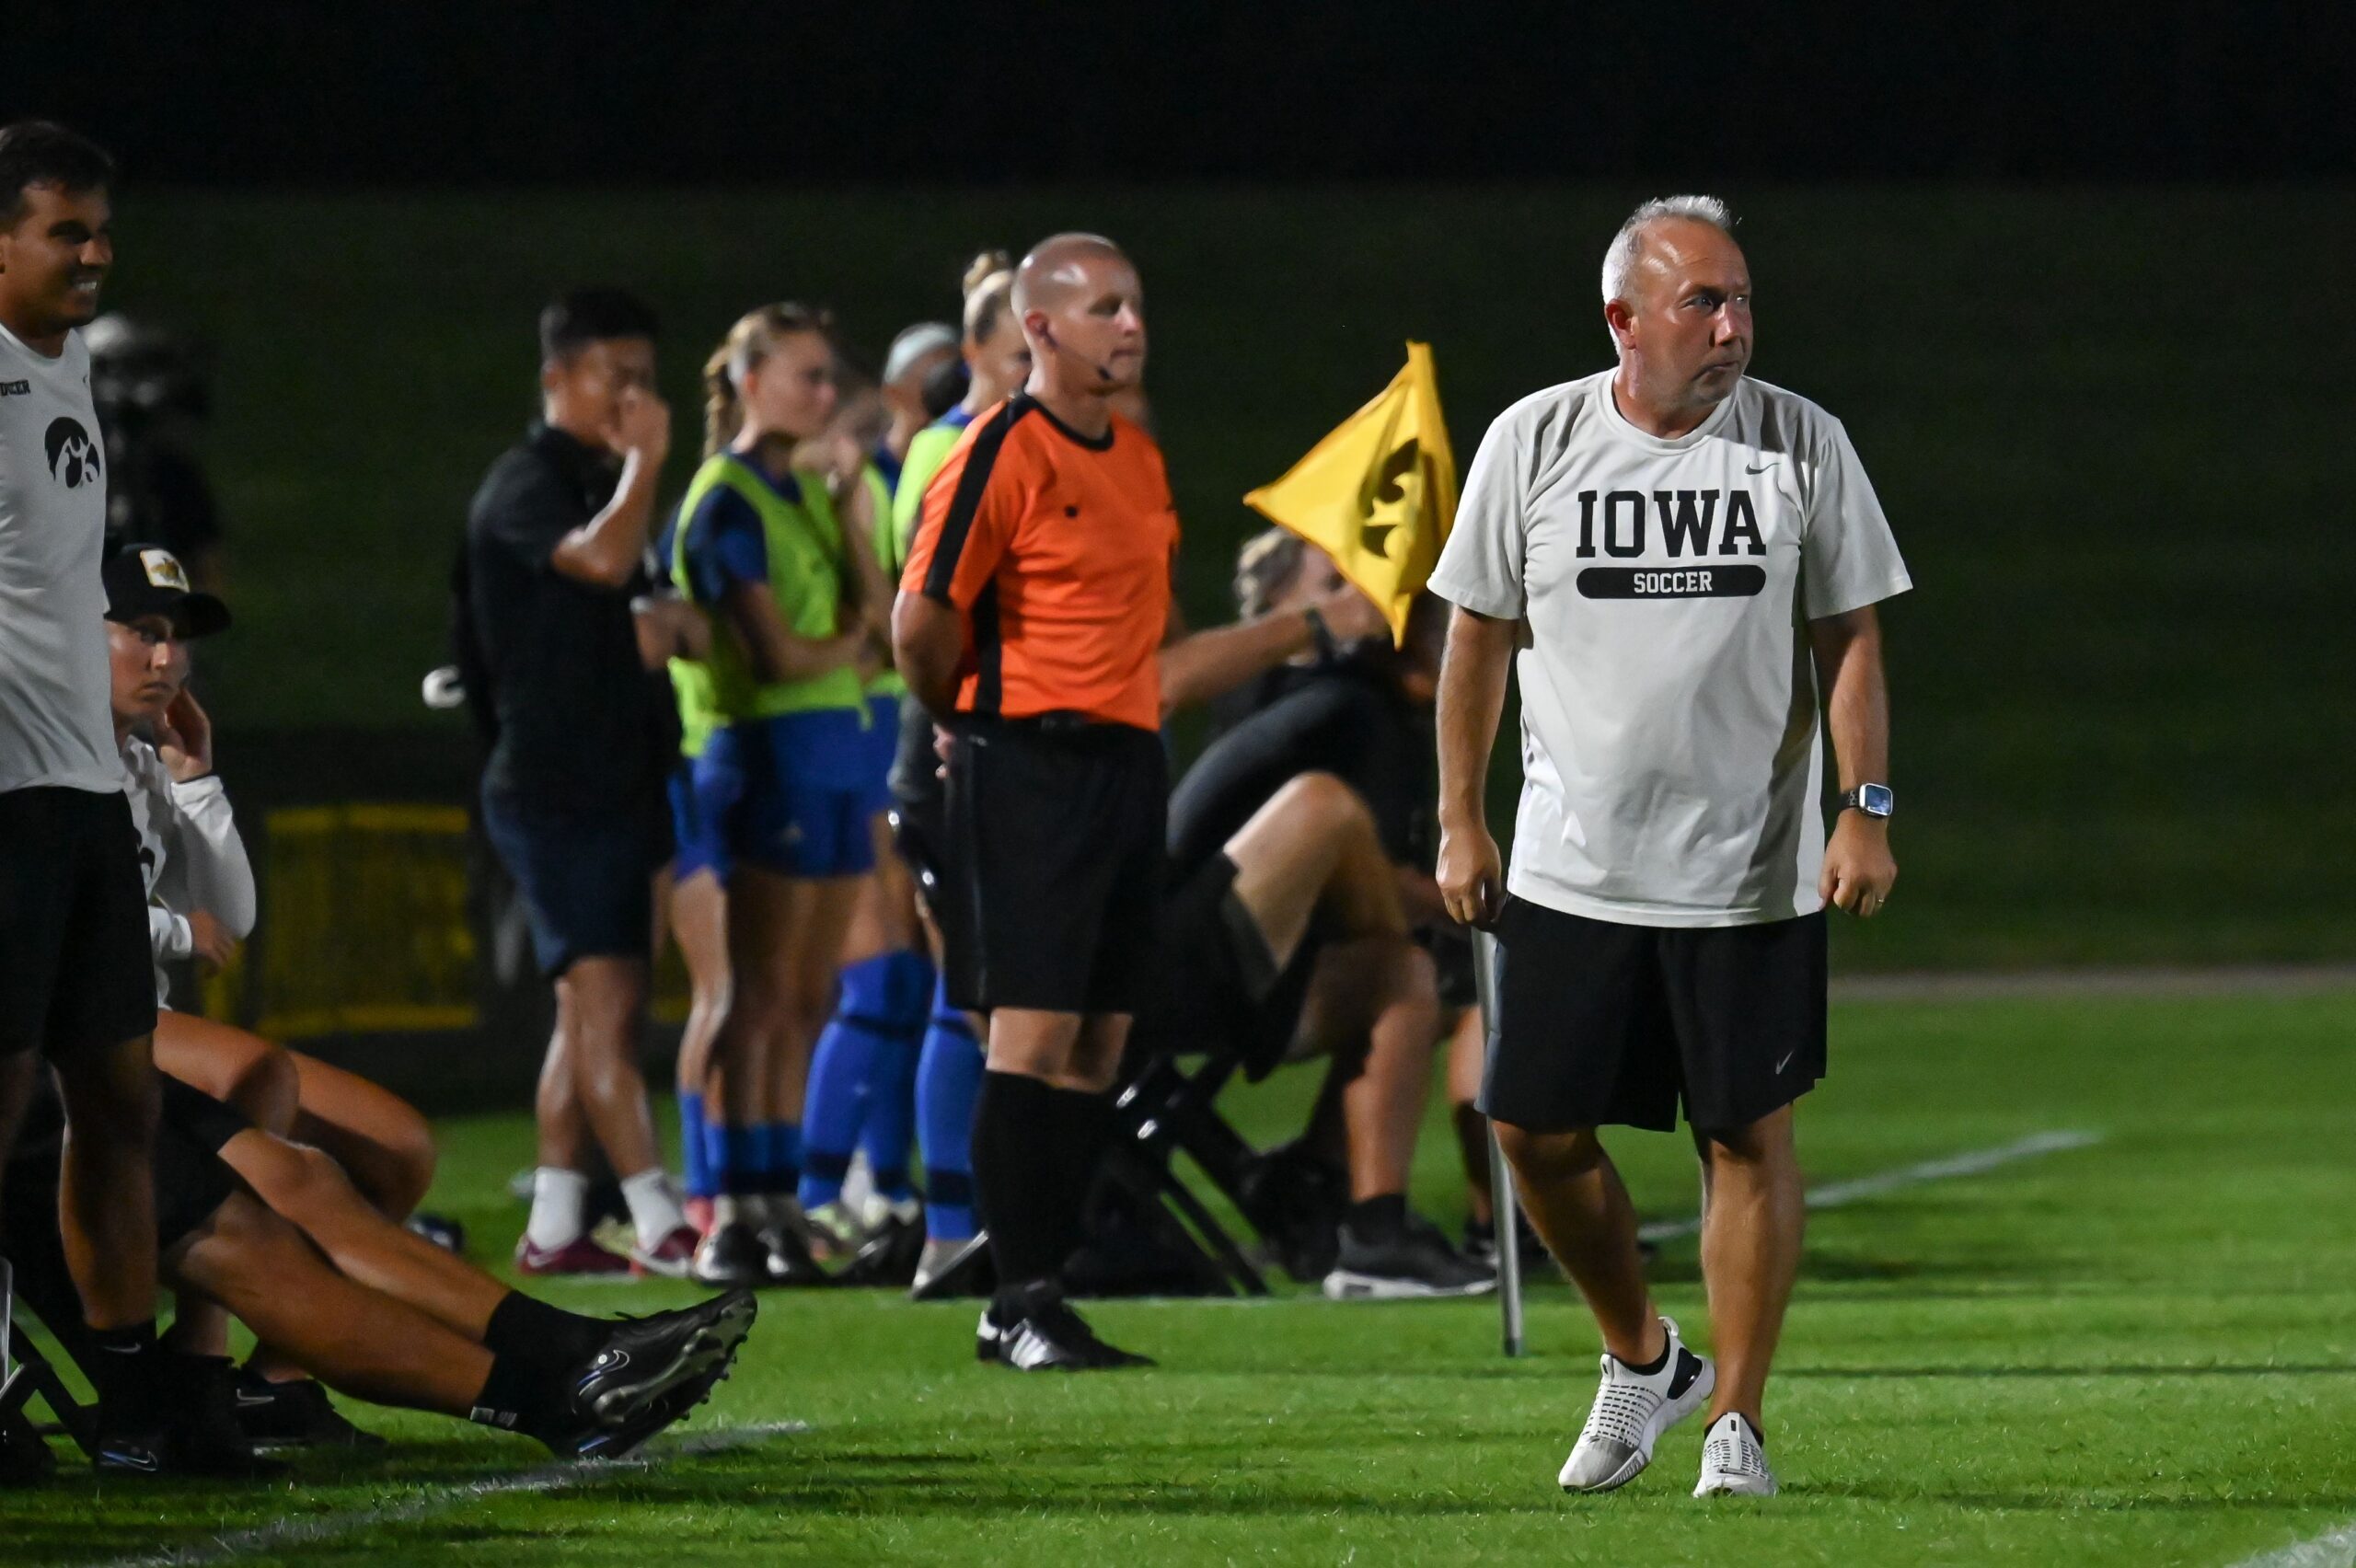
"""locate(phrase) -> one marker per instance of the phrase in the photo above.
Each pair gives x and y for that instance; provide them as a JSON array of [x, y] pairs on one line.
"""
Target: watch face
[[1876, 800]]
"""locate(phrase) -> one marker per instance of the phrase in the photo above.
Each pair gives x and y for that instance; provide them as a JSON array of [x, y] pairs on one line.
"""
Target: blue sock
[[780, 1157], [831, 1113], [742, 1166], [949, 1080], [891, 1120], [693, 1155]]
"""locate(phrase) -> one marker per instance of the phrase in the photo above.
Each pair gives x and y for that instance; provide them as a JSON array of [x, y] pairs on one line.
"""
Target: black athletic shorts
[[1218, 984], [203, 1121], [1051, 845], [76, 971], [1603, 1024]]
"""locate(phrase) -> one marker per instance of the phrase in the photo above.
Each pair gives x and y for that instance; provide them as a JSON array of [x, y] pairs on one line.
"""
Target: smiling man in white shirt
[[1686, 559]]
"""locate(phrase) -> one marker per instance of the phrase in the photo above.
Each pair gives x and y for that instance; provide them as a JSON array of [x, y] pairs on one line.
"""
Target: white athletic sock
[[654, 1207], [559, 1196]]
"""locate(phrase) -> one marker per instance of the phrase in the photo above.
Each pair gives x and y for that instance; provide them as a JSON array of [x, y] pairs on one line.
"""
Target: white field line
[[2248, 979], [561, 1477], [1834, 1194], [2337, 1550]]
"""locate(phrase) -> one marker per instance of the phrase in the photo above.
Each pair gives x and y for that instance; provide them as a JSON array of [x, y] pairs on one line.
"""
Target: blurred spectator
[[573, 795], [916, 353], [153, 389]]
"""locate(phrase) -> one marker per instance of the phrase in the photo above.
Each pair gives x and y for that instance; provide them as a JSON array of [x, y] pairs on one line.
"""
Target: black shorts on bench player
[[1036, 619]]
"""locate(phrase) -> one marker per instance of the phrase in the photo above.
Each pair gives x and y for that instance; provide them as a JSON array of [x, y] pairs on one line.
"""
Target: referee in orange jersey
[[1036, 621]]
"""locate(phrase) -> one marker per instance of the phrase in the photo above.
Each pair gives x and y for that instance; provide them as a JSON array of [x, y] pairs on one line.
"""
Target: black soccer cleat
[[293, 1416], [733, 1257], [649, 1373], [188, 1425], [1412, 1262], [791, 1263], [1035, 1330], [889, 1257]]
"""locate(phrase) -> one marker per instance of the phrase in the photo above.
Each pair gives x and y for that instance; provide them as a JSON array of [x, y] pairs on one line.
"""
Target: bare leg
[[1467, 1053], [106, 1191], [1752, 1216], [381, 1141], [309, 1188], [564, 1129], [1374, 1003], [1063, 1050], [231, 1065], [699, 923], [17, 1083], [1581, 1210], [353, 1339], [601, 1001], [788, 984]]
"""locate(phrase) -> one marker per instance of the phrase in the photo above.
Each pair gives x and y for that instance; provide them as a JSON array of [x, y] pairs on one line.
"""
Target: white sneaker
[[1733, 1463], [1631, 1410]]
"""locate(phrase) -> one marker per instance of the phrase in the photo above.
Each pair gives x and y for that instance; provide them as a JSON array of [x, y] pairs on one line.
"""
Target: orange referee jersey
[[1058, 550]]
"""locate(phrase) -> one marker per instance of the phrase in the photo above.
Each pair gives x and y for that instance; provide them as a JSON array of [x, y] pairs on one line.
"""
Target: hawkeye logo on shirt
[[73, 455], [1691, 523]]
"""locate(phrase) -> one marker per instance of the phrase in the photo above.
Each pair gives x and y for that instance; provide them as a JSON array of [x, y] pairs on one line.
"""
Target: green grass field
[[2139, 1352]]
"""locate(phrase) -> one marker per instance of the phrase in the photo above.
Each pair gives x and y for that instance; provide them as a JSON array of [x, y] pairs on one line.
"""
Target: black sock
[[1651, 1367], [519, 1396], [125, 1366], [1083, 1123], [535, 1331], [1377, 1219], [1017, 1169]]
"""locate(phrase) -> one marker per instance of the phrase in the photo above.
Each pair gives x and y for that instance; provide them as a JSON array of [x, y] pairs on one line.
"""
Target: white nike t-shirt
[[1671, 770], [55, 727]]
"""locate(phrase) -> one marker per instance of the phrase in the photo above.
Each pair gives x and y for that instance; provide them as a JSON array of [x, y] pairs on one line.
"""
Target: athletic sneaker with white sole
[[1631, 1410], [1734, 1461]]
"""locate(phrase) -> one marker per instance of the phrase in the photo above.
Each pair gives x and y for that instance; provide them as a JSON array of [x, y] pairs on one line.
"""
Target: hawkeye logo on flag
[[1378, 493]]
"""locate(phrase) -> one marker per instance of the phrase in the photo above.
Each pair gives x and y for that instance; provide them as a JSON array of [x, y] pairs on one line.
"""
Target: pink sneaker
[[578, 1256], [668, 1257]]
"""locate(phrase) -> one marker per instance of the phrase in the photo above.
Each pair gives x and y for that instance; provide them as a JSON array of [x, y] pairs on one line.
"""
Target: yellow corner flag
[[1378, 493]]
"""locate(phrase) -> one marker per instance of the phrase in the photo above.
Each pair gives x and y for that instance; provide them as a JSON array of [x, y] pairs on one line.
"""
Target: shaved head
[[1057, 266], [1083, 312]]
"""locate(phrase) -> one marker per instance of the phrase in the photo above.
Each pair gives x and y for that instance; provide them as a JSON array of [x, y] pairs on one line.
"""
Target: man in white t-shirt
[[75, 983], [1688, 561]]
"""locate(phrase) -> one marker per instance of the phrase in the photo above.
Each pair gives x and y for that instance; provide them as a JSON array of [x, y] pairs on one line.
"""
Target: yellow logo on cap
[[164, 569]]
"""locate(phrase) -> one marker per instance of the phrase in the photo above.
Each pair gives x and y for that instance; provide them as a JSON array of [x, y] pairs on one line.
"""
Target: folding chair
[[25, 1372], [1162, 1111]]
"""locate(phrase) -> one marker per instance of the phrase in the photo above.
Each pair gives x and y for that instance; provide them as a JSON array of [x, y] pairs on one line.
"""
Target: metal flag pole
[[1505, 1213]]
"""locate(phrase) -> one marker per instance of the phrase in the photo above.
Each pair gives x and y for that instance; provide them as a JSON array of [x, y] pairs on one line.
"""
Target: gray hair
[[1620, 257]]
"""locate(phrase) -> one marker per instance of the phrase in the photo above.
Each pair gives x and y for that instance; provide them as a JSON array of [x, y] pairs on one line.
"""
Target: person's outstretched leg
[[382, 1141], [1753, 1214], [605, 1001]]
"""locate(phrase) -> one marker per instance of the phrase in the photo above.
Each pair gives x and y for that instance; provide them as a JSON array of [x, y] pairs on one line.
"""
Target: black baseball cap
[[144, 581]]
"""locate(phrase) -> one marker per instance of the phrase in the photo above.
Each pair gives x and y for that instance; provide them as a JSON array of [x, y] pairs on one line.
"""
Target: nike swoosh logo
[[131, 1458], [1787, 1058], [254, 1401], [1760, 469]]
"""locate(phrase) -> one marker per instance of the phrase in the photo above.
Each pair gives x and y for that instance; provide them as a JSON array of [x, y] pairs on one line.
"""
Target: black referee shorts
[[1600, 1023], [75, 969], [1053, 854]]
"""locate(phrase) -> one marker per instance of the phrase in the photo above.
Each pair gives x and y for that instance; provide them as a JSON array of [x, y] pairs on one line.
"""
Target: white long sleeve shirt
[[190, 853]]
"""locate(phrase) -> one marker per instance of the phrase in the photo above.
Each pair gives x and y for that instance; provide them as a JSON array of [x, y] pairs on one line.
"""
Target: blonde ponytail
[[747, 344]]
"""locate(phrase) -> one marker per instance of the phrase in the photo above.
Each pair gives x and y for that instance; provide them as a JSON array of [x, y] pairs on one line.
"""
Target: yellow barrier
[[365, 927]]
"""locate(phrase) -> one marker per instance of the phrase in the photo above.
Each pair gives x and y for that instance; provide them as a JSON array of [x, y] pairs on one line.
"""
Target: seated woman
[[201, 896]]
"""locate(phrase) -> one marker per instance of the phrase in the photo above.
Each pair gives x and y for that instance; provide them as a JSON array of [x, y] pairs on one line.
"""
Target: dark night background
[[434, 93]]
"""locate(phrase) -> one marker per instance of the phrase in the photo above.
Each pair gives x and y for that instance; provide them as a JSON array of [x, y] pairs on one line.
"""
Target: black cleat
[[731, 1258], [650, 1372], [890, 1256], [293, 1416], [790, 1262], [1413, 1262], [192, 1430], [1036, 1330], [444, 1232]]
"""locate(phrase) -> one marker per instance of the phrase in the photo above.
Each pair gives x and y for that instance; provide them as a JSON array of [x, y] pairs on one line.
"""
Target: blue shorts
[[692, 828], [883, 749], [791, 795], [586, 877]]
